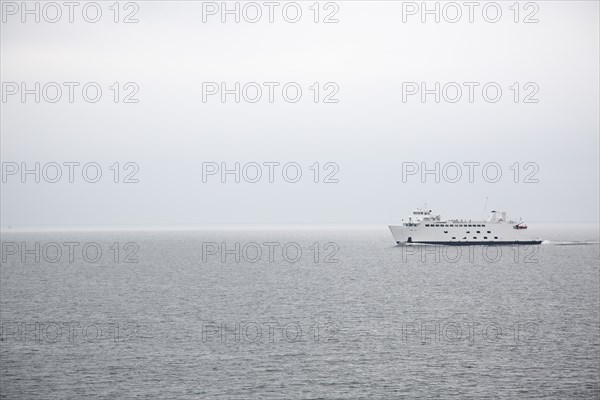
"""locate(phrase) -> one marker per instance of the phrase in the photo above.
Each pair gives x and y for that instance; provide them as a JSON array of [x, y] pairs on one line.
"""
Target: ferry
[[423, 227]]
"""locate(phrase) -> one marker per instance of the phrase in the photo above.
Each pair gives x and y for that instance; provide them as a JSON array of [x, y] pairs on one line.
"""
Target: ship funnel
[[492, 216]]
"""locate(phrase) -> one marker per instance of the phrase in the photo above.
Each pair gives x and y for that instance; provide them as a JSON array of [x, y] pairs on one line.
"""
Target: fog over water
[[195, 207], [367, 135]]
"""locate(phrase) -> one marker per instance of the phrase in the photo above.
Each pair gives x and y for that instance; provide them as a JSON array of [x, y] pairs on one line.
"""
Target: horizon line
[[200, 226]]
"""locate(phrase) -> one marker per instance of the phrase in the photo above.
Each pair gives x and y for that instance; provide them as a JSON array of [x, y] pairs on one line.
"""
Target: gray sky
[[369, 133]]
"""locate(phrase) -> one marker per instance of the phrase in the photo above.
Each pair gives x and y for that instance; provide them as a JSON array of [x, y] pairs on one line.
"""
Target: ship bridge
[[421, 215]]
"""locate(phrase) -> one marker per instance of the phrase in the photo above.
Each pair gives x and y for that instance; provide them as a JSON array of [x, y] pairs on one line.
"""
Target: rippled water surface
[[303, 313]]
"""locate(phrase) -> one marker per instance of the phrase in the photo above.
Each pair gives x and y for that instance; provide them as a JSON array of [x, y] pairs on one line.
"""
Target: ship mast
[[485, 208]]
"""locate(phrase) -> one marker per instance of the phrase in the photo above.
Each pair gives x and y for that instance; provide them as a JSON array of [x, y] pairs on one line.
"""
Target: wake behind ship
[[424, 228]]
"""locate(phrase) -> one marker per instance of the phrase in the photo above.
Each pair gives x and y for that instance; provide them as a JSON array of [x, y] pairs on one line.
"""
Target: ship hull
[[462, 234], [475, 243]]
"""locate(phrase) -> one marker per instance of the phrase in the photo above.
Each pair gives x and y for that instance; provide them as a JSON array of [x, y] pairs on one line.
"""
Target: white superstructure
[[424, 227]]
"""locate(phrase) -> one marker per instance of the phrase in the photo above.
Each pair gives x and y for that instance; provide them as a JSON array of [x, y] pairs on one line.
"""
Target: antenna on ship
[[485, 208]]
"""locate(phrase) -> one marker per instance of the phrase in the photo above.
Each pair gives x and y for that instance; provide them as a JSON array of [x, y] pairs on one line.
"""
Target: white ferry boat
[[425, 228]]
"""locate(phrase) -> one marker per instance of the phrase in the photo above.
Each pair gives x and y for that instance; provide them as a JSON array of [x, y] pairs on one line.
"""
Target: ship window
[[468, 231], [474, 237], [485, 237], [453, 237], [426, 224], [478, 231], [489, 231], [445, 231], [495, 237]]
